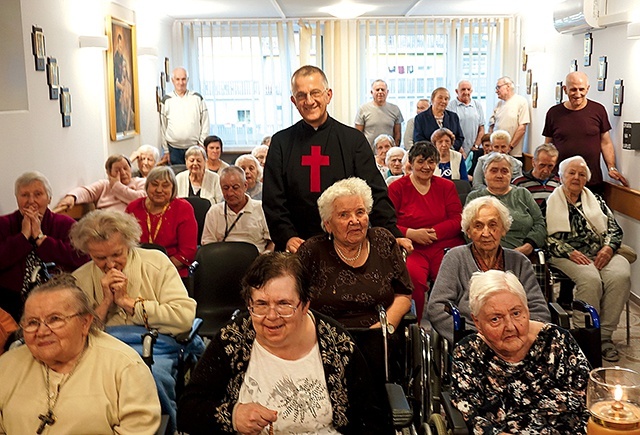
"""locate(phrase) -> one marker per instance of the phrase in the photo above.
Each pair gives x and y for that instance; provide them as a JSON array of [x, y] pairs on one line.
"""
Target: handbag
[[627, 252]]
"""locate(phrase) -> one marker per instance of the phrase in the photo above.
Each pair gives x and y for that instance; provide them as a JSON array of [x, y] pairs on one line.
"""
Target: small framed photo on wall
[[558, 92], [39, 51], [65, 106], [53, 78], [602, 73]]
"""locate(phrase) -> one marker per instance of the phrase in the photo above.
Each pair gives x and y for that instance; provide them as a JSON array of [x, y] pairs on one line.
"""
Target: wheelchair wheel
[[417, 358], [438, 425]]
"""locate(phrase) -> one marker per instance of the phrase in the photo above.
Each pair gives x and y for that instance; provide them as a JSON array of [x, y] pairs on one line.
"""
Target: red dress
[[175, 229]]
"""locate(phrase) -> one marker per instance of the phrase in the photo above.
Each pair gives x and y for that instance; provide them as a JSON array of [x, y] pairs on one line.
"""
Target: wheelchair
[[402, 360], [446, 419]]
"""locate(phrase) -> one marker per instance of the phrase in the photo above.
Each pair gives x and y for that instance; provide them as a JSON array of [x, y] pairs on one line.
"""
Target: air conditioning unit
[[577, 16]]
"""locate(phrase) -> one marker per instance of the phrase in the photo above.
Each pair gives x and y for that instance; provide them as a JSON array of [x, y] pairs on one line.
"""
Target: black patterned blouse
[[350, 294], [581, 238], [207, 404], [545, 393]]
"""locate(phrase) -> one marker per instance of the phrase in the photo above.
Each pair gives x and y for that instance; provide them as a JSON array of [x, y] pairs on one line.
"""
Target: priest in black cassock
[[310, 156]]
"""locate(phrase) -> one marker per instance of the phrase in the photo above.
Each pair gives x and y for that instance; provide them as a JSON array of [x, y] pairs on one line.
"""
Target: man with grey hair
[[511, 114], [580, 126], [184, 119], [310, 156], [379, 117], [239, 218], [421, 106], [541, 181], [471, 117]]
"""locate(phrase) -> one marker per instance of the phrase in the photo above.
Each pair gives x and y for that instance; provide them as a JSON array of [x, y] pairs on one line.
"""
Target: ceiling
[[282, 9]]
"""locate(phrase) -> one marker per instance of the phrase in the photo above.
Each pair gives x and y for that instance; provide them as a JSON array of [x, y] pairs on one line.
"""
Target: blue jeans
[[176, 155]]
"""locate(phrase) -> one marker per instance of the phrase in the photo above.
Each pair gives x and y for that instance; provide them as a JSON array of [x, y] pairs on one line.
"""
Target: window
[[243, 68]]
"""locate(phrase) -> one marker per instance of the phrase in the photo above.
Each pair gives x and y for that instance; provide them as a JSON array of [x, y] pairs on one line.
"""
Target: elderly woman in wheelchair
[[485, 221], [71, 377], [135, 290], [281, 368], [516, 375]]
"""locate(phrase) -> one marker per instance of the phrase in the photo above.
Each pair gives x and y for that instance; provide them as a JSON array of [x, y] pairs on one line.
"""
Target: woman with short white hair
[[197, 180], [253, 173], [146, 157], [516, 375], [584, 239], [30, 236]]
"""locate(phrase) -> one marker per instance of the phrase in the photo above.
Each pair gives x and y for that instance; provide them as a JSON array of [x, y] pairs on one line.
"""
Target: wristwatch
[[390, 328], [613, 168], [40, 236]]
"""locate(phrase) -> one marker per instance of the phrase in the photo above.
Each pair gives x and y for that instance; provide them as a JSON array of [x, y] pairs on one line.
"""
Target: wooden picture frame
[[122, 78]]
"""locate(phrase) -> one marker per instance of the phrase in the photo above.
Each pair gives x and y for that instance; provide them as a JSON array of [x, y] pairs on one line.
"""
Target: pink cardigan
[[114, 198]]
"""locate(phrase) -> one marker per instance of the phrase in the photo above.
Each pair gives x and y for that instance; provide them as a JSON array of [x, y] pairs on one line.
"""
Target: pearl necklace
[[344, 257]]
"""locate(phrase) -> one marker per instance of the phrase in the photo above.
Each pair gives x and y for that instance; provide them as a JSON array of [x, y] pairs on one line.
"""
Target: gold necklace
[[344, 257], [49, 418]]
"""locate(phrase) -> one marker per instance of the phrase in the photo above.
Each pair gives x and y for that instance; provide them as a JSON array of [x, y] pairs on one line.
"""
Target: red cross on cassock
[[315, 160]]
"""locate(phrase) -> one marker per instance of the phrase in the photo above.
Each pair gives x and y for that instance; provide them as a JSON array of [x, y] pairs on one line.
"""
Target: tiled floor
[[629, 354]]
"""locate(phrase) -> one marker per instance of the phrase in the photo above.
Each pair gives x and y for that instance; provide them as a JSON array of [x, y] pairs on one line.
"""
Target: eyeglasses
[[282, 310], [499, 86], [52, 322], [315, 94]]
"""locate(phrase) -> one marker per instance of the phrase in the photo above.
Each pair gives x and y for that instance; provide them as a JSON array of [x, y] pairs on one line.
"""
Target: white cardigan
[[210, 188]]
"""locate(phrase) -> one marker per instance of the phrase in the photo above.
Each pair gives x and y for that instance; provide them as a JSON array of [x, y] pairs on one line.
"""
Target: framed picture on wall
[[37, 44], [122, 77], [65, 106]]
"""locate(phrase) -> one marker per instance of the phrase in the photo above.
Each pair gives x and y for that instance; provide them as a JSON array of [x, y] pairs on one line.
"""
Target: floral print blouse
[[545, 393], [581, 238]]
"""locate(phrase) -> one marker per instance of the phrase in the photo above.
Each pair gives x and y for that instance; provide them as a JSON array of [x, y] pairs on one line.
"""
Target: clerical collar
[[321, 127]]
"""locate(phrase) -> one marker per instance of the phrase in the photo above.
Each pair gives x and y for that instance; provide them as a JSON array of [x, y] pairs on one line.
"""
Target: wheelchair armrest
[[187, 336], [559, 316], [400, 410], [456, 422], [592, 319], [411, 316]]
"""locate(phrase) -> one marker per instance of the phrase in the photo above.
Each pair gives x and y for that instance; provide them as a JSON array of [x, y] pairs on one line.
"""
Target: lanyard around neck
[[227, 228]]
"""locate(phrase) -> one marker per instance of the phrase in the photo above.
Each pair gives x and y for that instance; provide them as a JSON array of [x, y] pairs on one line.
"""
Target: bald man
[[184, 119], [471, 116], [580, 126]]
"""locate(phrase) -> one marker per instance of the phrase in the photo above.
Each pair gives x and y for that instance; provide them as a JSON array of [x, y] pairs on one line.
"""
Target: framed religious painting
[[122, 78]]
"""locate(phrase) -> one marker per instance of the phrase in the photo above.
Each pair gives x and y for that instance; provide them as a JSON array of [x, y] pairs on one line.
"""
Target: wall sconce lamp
[[101, 42], [633, 30], [147, 51]]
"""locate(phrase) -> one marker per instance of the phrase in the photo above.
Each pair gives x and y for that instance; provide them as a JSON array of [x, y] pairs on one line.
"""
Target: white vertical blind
[[243, 68]]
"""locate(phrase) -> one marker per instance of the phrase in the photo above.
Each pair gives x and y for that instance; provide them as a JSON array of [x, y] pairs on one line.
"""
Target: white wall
[[550, 64], [34, 139]]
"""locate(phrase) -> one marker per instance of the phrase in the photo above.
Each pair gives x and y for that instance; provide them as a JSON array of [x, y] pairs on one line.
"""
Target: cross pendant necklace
[[47, 419]]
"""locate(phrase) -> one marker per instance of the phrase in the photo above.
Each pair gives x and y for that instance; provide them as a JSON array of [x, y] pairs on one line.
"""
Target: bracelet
[[145, 317], [613, 168]]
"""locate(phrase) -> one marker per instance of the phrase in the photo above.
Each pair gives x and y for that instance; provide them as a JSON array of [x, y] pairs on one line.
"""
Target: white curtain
[[243, 68]]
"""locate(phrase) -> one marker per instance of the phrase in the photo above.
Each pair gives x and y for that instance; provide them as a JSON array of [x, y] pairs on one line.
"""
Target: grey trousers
[[607, 289]]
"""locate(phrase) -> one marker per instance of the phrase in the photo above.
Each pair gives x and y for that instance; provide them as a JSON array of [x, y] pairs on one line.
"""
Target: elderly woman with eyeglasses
[[283, 367], [71, 377]]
